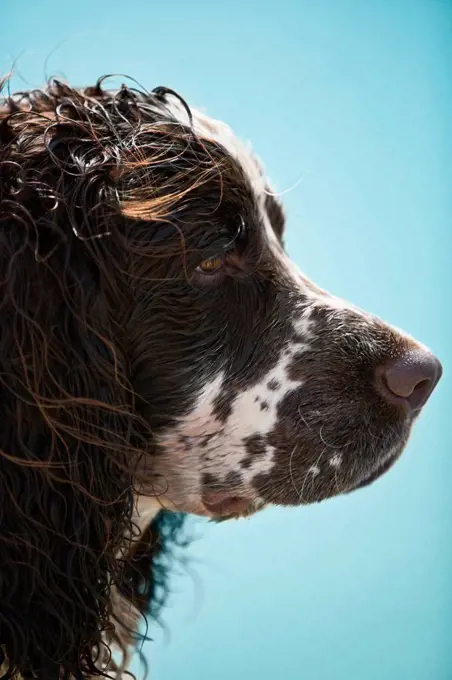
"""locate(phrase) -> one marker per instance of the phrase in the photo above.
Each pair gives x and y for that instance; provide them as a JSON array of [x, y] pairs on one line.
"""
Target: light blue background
[[353, 97]]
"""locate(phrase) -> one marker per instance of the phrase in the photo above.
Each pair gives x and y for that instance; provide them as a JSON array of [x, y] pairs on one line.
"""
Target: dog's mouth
[[223, 504], [219, 505], [376, 474]]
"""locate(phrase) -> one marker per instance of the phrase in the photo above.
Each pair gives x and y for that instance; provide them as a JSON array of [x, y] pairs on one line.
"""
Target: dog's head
[[271, 390], [258, 386], [157, 340]]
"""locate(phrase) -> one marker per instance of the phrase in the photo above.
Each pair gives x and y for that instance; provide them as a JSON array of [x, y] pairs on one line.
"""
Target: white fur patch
[[336, 460], [202, 443]]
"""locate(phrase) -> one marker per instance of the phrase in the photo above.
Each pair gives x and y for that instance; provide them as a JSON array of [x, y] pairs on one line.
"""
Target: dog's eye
[[211, 266]]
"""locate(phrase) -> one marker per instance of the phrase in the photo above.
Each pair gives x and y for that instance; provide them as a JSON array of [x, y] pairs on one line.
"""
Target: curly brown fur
[[71, 438]]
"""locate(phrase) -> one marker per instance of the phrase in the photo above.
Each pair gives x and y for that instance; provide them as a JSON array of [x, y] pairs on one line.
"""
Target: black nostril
[[410, 379]]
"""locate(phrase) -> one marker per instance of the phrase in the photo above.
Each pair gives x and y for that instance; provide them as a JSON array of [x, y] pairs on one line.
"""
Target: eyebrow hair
[[275, 214]]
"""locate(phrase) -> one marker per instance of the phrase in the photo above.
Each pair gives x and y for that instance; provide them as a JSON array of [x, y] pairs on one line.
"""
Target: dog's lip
[[376, 474], [225, 503]]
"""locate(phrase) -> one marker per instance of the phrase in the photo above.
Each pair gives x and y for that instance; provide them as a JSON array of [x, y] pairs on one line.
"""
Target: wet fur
[[71, 437], [131, 381]]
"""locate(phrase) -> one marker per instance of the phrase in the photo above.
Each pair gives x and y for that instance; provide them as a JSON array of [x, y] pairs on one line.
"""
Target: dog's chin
[[372, 477], [367, 478], [224, 505], [239, 502]]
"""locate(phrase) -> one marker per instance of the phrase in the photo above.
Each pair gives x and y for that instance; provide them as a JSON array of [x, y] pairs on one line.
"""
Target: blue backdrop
[[352, 100]]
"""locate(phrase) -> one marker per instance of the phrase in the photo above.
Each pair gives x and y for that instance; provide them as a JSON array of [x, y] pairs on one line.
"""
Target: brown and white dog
[[159, 349]]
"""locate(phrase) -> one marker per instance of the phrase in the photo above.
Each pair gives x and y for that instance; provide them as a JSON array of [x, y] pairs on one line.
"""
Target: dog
[[160, 355]]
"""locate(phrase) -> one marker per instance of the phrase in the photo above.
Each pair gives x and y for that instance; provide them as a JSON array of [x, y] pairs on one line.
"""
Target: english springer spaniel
[[160, 354]]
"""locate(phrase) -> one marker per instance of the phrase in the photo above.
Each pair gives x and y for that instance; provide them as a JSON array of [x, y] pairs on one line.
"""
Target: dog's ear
[[65, 493], [69, 436]]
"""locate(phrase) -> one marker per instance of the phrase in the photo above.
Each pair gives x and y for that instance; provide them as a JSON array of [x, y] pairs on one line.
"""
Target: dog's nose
[[409, 380]]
